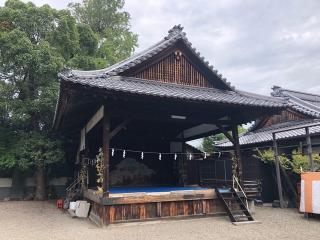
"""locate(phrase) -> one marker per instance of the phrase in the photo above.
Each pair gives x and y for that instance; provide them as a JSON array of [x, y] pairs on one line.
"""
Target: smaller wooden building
[[303, 109], [141, 112]]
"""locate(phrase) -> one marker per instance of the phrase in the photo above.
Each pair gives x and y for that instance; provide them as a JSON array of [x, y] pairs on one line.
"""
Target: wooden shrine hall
[[141, 112]]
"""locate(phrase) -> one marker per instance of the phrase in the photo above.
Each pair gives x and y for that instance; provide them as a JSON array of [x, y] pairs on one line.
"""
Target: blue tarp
[[151, 189], [224, 190]]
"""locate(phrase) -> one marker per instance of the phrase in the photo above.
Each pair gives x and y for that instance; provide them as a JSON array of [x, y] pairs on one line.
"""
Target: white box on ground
[[79, 209], [73, 206], [83, 209]]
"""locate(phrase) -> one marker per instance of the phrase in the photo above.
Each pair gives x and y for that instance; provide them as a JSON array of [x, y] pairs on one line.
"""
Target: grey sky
[[254, 44]]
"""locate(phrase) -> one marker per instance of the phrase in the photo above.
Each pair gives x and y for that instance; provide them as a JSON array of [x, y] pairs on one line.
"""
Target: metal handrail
[[71, 188], [73, 184], [235, 180]]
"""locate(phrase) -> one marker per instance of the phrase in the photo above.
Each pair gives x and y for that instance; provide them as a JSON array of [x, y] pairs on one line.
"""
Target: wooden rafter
[[95, 119], [225, 132], [117, 129]]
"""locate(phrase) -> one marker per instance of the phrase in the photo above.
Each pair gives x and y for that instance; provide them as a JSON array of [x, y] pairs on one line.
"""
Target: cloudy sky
[[254, 44]]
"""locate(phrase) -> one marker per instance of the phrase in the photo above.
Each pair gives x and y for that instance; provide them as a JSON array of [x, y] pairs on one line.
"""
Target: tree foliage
[[294, 163], [38, 150], [29, 62], [208, 143], [112, 25], [35, 44]]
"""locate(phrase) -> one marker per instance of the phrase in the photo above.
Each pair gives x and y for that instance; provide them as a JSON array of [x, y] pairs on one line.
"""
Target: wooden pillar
[[105, 149], [309, 150], [181, 162], [183, 159], [235, 135], [277, 164]]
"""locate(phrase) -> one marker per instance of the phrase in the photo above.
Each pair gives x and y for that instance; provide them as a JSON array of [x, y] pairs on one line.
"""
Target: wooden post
[[277, 164], [105, 149], [181, 166], [308, 138], [235, 136]]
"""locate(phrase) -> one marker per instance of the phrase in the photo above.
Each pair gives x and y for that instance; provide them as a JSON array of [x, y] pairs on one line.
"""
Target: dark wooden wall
[[216, 168], [193, 171], [285, 116], [251, 166], [175, 68]]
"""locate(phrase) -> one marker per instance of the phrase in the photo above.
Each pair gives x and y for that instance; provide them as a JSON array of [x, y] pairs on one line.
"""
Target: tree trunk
[[40, 184]]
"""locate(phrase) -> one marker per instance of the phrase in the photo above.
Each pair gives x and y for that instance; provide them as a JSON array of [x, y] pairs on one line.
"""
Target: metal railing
[[71, 189], [74, 185], [236, 185]]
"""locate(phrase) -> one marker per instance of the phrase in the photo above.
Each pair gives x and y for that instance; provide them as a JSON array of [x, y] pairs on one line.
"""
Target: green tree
[[208, 143], [29, 62], [112, 26], [65, 38], [35, 44], [86, 58], [32, 150], [295, 162], [88, 40]]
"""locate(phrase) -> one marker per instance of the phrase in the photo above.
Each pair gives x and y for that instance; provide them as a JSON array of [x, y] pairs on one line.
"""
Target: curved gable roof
[[174, 35], [305, 103]]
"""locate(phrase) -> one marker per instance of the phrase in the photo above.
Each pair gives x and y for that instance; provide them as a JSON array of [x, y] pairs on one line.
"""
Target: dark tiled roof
[[305, 103], [302, 102], [170, 90], [175, 34], [265, 134], [110, 79]]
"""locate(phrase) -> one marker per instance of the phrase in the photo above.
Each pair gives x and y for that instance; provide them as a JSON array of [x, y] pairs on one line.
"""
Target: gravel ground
[[42, 221]]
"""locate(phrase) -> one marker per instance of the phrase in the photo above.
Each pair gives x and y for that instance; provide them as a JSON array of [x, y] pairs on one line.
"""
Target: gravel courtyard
[[42, 221]]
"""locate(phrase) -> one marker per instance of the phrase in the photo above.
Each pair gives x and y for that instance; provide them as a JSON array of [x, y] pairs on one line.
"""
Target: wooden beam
[[82, 139], [95, 119], [235, 136], [105, 149], [308, 139], [182, 166], [277, 163], [117, 129], [225, 132], [197, 130]]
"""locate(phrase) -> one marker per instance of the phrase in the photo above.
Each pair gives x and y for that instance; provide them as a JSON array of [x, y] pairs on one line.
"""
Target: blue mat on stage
[[151, 189]]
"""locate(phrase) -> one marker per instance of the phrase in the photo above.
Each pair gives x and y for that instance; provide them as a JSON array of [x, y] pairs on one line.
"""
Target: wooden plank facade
[[285, 116], [135, 208], [175, 68]]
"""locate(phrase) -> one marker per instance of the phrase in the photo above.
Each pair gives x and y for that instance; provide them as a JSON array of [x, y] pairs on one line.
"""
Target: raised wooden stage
[[138, 206]]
